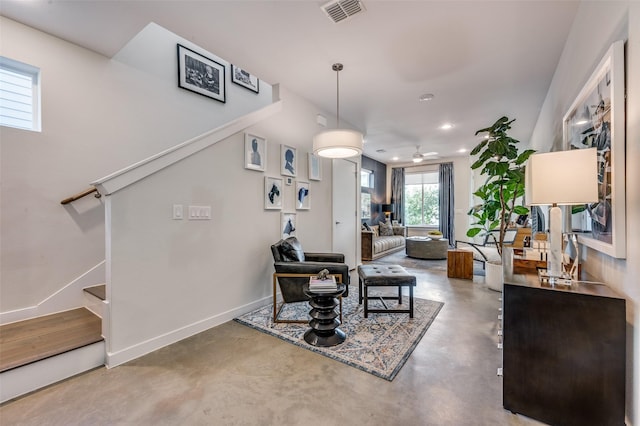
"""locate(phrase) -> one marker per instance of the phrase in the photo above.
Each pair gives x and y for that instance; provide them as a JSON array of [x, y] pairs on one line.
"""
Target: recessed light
[[426, 97], [446, 126], [578, 123], [462, 150], [395, 158]]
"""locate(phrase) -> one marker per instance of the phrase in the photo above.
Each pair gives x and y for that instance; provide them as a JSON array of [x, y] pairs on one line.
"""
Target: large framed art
[[596, 119], [200, 74]]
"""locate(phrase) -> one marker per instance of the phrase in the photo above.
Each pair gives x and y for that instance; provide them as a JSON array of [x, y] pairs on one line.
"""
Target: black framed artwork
[[245, 79], [200, 74]]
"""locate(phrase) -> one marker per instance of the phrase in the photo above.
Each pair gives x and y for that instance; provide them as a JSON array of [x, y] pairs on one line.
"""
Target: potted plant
[[500, 162]]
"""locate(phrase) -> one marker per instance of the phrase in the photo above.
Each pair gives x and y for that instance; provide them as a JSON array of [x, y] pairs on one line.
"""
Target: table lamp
[[387, 209], [560, 178]]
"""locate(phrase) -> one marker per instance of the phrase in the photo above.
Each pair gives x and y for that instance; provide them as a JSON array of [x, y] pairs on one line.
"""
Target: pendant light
[[338, 143]]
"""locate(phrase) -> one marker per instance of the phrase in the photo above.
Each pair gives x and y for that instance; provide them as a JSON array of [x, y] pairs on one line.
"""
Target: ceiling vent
[[342, 9]]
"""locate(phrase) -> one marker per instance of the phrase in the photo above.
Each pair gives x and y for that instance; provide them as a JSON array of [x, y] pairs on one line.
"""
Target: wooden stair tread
[[99, 291], [24, 342]]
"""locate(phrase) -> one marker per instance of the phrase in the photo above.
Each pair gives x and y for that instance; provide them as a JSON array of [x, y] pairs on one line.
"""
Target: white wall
[[98, 115], [173, 278], [597, 26]]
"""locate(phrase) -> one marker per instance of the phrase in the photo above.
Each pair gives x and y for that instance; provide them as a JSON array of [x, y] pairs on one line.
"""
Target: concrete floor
[[234, 375]]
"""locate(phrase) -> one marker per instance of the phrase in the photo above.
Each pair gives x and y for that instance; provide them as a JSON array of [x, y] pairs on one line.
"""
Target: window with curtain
[[422, 198]]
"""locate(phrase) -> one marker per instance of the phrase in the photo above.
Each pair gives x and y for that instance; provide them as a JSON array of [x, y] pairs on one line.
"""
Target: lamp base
[[563, 279]]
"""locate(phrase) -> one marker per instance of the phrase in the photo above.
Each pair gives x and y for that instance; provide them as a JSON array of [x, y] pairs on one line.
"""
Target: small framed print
[[288, 161], [245, 79], [288, 225], [272, 193], [315, 167], [302, 196], [200, 74], [255, 152]]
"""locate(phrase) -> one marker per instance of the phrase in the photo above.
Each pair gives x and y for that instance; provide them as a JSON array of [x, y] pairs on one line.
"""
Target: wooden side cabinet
[[564, 353]]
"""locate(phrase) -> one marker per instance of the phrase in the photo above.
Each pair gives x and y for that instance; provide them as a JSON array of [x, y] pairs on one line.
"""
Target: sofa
[[375, 246]]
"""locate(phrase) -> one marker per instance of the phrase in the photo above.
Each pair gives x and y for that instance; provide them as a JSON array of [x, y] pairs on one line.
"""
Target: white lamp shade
[[338, 143], [562, 178]]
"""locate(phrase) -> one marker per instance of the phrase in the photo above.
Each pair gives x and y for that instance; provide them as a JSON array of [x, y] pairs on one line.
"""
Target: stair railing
[[82, 194]]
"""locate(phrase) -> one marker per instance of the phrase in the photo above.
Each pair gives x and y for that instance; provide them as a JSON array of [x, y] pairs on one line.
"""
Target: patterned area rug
[[379, 345]]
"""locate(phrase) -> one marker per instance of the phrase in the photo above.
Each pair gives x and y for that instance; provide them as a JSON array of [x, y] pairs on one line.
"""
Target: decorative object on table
[[561, 178], [288, 161], [323, 275], [200, 74], [498, 160], [272, 193], [379, 345], [338, 143], [596, 119], [255, 152], [288, 225], [303, 201], [434, 235], [315, 167], [245, 79]]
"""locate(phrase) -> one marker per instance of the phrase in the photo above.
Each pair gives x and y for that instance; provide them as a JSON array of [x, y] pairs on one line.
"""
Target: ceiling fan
[[418, 156]]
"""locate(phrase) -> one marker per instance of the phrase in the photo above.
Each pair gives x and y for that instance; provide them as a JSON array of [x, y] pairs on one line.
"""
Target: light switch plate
[[199, 212], [177, 212]]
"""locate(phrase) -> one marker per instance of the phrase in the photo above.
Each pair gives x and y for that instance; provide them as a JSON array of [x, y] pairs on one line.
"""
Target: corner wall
[[596, 27]]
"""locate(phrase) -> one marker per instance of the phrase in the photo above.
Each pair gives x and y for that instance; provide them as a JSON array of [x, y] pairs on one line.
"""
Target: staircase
[[40, 351]]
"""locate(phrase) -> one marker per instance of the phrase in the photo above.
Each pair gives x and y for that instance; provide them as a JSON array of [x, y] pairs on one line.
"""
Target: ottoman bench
[[384, 276]]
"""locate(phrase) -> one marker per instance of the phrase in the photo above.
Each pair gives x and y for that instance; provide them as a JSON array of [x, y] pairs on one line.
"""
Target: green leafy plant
[[504, 167]]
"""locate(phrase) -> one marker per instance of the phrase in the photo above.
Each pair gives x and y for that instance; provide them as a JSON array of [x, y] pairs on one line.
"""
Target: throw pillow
[[385, 229], [292, 250]]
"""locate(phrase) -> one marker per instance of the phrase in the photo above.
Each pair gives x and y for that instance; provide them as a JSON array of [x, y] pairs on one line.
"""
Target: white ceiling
[[481, 59]]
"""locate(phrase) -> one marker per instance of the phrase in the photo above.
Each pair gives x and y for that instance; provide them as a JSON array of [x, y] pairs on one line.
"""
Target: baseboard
[[36, 375], [114, 359]]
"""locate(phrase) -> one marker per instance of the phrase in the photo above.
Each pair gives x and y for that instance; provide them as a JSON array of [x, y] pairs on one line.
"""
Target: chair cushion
[[291, 250]]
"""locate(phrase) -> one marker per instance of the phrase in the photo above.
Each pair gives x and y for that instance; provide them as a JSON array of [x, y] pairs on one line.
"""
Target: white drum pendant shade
[[338, 143]]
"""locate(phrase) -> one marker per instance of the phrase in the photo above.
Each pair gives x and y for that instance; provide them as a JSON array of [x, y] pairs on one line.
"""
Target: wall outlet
[[199, 212]]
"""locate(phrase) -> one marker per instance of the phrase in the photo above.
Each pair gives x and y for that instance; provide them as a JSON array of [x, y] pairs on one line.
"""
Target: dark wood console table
[[564, 352]]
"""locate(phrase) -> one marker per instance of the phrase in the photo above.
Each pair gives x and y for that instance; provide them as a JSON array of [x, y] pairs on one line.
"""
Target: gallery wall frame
[[201, 75], [597, 119], [245, 79], [303, 196], [255, 152], [288, 225], [273, 193], [315, 167], [288, 161]]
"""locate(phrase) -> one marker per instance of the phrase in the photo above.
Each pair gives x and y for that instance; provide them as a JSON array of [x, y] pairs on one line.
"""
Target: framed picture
[[596, 119], [272, 193], [200, 74], [302, 196], [315, 167], [288, 161], [288, 225], [255, 152], [244, 79]]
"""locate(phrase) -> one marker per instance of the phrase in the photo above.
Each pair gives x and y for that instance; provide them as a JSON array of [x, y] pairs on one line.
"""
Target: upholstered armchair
[[289, 258]]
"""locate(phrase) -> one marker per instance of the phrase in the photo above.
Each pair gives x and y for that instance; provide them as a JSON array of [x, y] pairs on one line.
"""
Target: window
[[366, 178], [19, 95], [422, 199]]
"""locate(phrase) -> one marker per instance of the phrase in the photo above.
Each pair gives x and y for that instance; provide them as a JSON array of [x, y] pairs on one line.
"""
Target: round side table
[[324, 324]]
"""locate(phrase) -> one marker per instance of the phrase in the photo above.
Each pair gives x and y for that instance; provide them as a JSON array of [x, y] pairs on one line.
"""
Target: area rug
[[380, 344]]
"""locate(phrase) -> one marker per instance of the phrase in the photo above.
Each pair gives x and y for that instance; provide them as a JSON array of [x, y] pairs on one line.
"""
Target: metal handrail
[[82, 194]]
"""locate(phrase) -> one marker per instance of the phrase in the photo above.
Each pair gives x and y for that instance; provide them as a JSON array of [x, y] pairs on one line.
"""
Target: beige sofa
[[375, 246]]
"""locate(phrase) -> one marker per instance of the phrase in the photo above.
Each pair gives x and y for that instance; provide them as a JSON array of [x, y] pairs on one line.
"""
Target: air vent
[[381, 151], [342, 9]]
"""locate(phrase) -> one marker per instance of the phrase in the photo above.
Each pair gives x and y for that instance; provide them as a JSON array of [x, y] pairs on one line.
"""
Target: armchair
[[289, 258], [488, 250]]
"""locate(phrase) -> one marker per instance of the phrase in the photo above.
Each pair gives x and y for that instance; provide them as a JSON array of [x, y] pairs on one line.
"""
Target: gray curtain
[[397, 193], [446, 202]]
